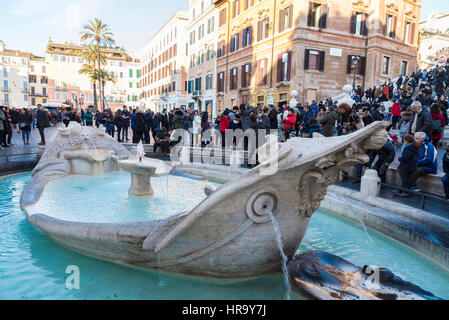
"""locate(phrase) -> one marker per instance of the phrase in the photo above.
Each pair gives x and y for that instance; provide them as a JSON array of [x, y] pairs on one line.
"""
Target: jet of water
[[281, 251]]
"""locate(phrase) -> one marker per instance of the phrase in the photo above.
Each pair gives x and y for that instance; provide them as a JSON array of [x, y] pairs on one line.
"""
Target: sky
[[28, 24]]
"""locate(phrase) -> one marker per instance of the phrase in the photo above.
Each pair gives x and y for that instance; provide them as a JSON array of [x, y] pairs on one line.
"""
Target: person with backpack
[[427, 159], [438, 124]]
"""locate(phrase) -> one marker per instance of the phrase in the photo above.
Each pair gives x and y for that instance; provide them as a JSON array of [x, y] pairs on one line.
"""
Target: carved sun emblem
[[80, 135]]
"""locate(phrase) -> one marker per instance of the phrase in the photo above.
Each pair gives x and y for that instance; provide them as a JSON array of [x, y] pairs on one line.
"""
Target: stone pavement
[[19, 157]]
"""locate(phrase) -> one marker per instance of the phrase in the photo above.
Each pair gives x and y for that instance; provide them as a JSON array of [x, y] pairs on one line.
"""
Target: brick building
[[268, 48]]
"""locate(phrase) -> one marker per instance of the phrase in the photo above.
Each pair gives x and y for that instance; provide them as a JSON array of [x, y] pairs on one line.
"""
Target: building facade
[[201, 74], [163, 66], [67, 85], [268, 48], [38, 81], [14, 89]]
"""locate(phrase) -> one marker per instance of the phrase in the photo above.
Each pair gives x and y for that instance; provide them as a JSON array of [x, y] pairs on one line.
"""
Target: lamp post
[[355, 62]]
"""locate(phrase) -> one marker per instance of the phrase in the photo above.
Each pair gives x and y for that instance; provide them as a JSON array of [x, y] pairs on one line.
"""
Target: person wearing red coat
[[396, 113], [224, 125], [289, 123], [386, 91], [437, 132]]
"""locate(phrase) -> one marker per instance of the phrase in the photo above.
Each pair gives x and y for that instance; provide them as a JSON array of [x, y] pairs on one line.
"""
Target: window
[[409, 32], [192, 37], [31, 79], [55, 58], [33, 101], [5, 72], [221, 49], [138, 73], [25, 86], [361, 65], [247, 35], [220, 82], [234, 43], [130, 73], [233, 79], [245, 4], [404, 65], [121, 74], [210, 25], [261, 72], [386, 65], [33, 91], [263, 29], [200, 31], [63, 59], [222, 17], [44, 92], [235, 8], [44, 69], [358, 24], [25, 97], [246, 75], [314, 60], [390, 26], [284, 66], [6, 98], [5, 85], [58, 96], [31, 68], [209, 81], [130, 85], [317, 16], [285, 18], [198, 84]]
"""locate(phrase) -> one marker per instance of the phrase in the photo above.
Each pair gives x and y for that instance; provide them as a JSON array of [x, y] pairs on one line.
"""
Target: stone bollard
[[370, 186]]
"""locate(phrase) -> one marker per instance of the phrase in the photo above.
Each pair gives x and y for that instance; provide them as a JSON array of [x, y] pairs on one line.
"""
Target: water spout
[[281, 251]]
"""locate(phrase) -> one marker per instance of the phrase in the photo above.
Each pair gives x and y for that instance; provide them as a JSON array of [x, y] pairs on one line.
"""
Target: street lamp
[[355, 62]]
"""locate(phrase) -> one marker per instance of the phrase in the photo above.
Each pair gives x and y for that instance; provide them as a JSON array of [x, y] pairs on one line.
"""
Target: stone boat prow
[[234, 220]]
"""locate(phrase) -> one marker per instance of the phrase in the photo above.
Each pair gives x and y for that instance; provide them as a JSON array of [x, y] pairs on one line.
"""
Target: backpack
[[436, 126]]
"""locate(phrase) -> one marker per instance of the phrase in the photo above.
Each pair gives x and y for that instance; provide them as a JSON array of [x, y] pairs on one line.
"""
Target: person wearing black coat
[[141, 126], [422, 119], [42, 122], [386, 156], [25, 119], [408, 163], [273, 116]]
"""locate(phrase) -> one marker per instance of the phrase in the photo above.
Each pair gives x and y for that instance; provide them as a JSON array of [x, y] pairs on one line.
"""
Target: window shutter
[[259, 30], [306, 59], [362, 68], [310, 15], [385, 25], [323, 18], [353, 23], [290, 15], [243, 38], [256, 71], [349, 66], [412, 33], [279, 68], [243, 77], [365, 24], [289, 65], [265, 74], [393, 32], [321, 60], [250, 35], [281, 20], [249, 75]]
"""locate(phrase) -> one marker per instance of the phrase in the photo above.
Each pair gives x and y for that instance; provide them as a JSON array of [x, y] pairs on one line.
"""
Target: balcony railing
[[197, 93]]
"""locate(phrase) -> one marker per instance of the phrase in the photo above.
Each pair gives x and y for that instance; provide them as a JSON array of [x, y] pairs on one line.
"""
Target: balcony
[[197, 94], [37, 94], [5, 89], [61, 88]]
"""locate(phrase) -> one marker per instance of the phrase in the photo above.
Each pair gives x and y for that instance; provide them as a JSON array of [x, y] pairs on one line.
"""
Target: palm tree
[[89, 56], [100, 34], [104, 77]]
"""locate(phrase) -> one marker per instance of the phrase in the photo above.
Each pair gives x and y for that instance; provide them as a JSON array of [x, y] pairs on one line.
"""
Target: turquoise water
[[105, 198], [33, 267]]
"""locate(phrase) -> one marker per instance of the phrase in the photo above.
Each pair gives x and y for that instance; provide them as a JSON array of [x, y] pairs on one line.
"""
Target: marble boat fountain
[[229, 235]]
